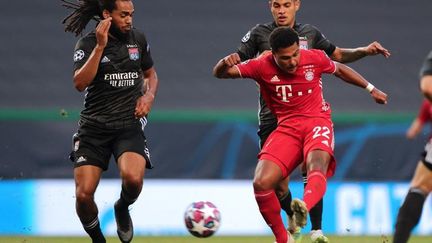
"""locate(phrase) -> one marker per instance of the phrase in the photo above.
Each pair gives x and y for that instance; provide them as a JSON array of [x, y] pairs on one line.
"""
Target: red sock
[[315, 188], [269, 207]]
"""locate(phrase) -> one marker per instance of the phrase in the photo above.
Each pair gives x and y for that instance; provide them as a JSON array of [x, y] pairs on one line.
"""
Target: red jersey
[[425, 113], [297, 94]]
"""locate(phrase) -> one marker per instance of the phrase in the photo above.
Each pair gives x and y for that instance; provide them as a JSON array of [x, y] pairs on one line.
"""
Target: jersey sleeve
[[248, 46], [425, 112], [327, 65], [250, 69], [426, 69], [146, 59], [83, 49], [321, 42]]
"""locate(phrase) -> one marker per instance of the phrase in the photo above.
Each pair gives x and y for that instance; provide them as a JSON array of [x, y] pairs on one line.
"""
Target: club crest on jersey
[[133, 54], [303, 43], [309, 74]]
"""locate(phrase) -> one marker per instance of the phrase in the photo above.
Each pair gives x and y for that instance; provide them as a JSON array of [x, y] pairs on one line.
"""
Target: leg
[[86, 181], [132, 168], [267, 177], [410, 212], [317, 162]]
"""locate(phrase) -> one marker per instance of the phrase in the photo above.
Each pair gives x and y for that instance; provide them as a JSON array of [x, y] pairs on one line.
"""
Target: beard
[[117, 33]]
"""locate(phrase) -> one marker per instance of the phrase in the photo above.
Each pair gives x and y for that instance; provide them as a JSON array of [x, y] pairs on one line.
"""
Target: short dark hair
[[283, 37]]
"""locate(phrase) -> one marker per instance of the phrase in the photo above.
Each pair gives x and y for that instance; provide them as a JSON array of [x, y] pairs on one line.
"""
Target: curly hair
[[83, 12]]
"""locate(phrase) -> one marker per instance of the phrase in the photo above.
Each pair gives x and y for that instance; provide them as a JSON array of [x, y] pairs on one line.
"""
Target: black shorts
[[427, 155], [93, 145]]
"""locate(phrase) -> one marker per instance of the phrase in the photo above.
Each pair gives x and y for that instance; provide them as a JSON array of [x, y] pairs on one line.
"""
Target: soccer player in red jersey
[[291, 84], [421, 184]]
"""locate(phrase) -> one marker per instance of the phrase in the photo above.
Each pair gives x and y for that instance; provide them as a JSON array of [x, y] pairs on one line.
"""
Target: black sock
[[316, 212], [409, 215], [125, 199], [285, 202], [94, 231]]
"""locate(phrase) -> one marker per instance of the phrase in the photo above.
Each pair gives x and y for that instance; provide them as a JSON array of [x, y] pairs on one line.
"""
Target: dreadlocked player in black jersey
[[113, 64], [254, 43], [421, 184]]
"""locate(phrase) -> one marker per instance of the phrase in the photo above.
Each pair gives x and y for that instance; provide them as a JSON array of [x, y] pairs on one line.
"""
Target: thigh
[[283, 147], [132, 139], [87, 178], [319, 135], [131, 166], [422, 178]]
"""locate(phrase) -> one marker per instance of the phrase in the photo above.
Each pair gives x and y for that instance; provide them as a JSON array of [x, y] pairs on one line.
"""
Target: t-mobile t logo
[[284, 91]]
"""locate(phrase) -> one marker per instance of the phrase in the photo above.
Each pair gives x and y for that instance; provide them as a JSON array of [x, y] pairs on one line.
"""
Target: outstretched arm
[[350, 76], [225, 68], [414, 129], [346, 55]]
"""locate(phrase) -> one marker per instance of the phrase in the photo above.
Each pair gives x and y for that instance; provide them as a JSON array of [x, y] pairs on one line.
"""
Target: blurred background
[[202, 131]]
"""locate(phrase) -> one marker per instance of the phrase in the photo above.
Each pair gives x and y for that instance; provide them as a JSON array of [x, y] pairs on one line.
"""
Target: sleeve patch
[[78, 55], [246, 37]]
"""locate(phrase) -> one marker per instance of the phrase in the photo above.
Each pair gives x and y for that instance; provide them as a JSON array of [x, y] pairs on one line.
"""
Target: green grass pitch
[[214, 239]]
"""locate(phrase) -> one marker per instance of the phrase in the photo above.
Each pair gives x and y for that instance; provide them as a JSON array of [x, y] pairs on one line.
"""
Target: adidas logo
[[275, 79], [105, 59], [81, 159]]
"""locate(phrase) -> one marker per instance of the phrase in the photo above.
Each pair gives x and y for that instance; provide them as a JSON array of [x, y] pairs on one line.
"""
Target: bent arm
[[150, 87], [225, 68], [352, 77], [346, 55], [85, 75], [414, 129]]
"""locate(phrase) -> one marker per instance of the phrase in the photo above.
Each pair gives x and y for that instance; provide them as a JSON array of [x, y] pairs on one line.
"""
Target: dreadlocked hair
[[83, 12]]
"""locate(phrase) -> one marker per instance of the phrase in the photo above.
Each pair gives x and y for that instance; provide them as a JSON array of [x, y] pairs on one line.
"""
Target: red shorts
[[293, 139]]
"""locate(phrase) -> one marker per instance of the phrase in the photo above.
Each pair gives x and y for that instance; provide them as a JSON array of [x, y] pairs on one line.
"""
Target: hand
[[143, 105], [232, 59], [102, 32], [375, 48], [379, 96]]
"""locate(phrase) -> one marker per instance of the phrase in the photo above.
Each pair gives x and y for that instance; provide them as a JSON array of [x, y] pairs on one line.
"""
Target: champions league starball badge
[[78, 55]]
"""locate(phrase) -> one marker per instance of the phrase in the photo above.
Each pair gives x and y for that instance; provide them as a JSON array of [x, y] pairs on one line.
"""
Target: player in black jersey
[[421, 184], [254, 43], [114, 66]]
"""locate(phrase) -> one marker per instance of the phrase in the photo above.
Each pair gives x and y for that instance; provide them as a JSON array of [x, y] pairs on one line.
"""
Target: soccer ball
[[202, 219]]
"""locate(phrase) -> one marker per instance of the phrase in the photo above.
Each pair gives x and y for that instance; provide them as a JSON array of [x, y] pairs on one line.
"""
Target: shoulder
[[260, 28], [306, 28], [313, 55], [87, 41], [139, 35]]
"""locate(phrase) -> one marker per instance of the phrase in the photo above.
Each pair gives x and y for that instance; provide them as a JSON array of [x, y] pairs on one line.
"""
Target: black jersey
[[111, 97], [256, 41], [427, 66]]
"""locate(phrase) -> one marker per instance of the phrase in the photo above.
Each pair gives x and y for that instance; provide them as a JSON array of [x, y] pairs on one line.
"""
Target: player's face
[[122, 15], [288, 58], [284, 11]]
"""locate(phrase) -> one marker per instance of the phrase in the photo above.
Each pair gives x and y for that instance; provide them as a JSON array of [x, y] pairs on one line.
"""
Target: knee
[[261, 184], [83, 197], [133, 182]]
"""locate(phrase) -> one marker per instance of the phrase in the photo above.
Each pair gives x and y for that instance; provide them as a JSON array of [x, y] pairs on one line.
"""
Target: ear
[[106, 14], [297, 4]]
